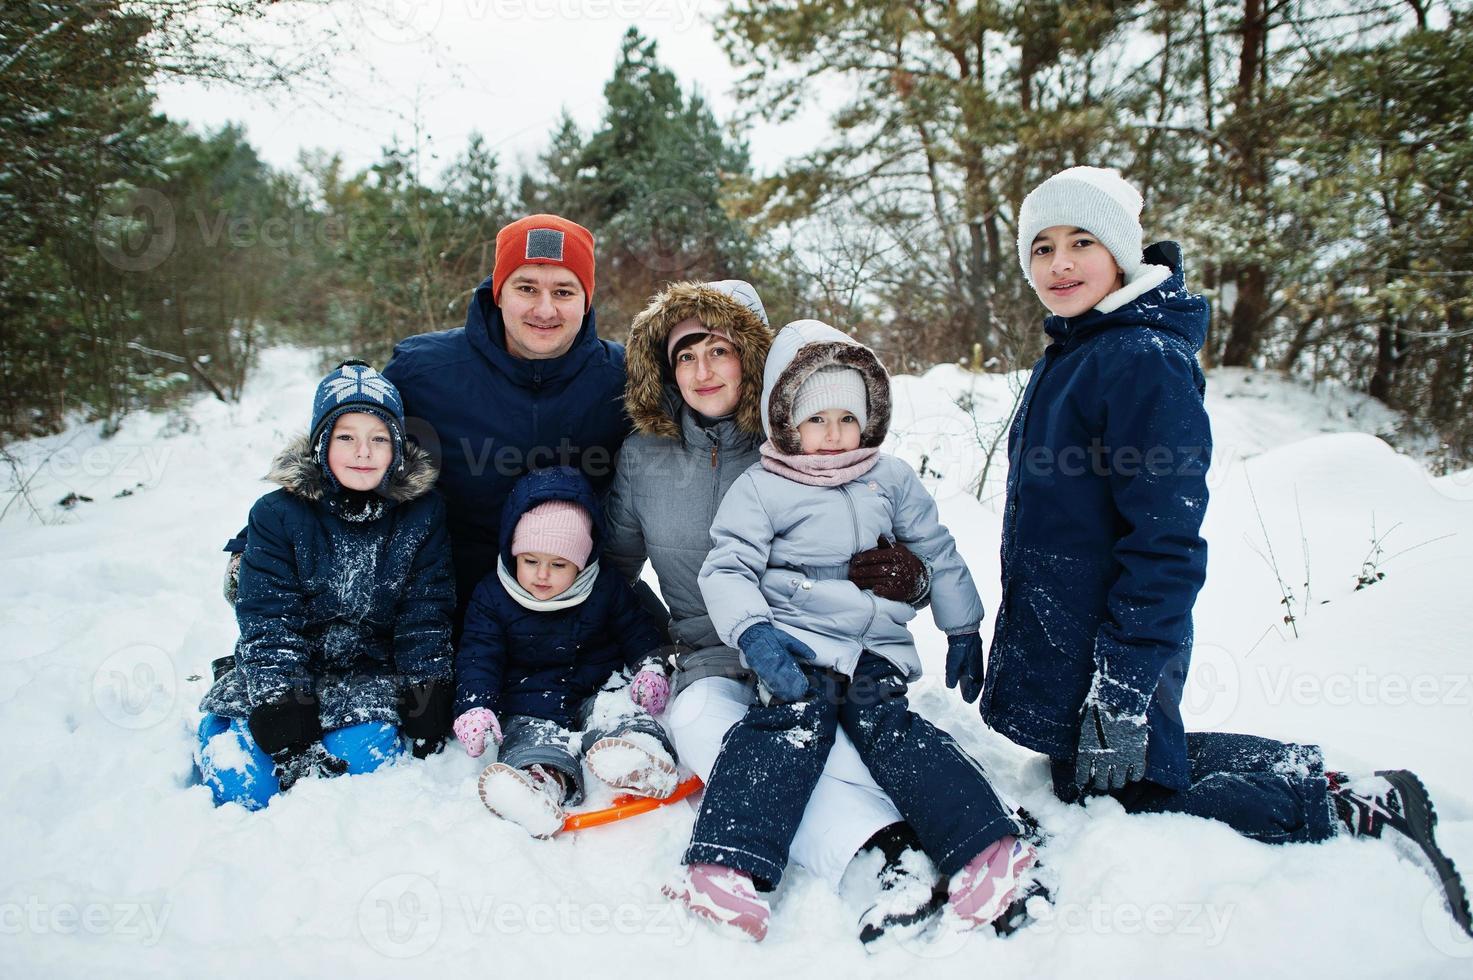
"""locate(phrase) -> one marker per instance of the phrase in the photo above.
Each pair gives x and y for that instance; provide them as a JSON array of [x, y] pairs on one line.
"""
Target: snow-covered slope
[[115, 862]]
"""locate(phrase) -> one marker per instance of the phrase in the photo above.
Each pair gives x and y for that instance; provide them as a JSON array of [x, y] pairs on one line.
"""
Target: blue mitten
[[964, 664], [770, 652]]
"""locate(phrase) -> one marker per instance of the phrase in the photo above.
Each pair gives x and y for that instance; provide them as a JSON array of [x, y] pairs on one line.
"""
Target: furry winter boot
[[636, 763], [724, 897], [909, 893], [1395, 799], [532, 797]]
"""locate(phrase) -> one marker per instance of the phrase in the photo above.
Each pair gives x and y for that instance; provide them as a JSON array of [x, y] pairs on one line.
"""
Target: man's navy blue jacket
[[517, 661], [1102, 556], [488, 418]]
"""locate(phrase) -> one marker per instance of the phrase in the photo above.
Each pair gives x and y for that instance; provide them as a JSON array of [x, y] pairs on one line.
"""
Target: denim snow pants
[[1268, 791], [238, 771], [771, 760]]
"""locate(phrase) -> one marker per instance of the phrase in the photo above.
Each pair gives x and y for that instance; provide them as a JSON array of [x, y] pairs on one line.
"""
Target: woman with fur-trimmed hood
[[344, 599], [831, 656], [695, 359]]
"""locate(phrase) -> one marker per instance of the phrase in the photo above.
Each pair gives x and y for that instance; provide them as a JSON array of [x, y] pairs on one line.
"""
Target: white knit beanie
[[1092, 198], [833, 386]]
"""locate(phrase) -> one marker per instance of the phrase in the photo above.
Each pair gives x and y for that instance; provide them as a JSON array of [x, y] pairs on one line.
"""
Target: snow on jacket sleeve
[[480, 663], [741, 540], [422, 646], [1160, 444], [623, 546], [955, 604], [271, 609], [634, 632]]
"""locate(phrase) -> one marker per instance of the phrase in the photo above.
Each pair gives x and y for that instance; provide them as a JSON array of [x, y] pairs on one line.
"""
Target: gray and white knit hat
[[834, 386], [1092, 198]]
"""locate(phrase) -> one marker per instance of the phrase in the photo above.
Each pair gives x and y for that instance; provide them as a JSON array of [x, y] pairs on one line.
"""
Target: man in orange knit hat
[[524, 385]]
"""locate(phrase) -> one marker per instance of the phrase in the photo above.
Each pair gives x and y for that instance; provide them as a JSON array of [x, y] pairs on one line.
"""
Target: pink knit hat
[[557, 527], [691, 325]]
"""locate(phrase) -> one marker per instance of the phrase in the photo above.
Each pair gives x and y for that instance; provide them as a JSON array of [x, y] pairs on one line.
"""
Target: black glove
[[964, 664], [426, 712], [891, 571], [292, 764], [1112, 748], [290, 732]]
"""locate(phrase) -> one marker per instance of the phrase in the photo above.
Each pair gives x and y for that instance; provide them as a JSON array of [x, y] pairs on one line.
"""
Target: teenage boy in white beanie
[[1102, 555]]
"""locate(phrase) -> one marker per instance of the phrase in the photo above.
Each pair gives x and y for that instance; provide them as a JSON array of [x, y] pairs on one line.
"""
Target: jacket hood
[[540, 486], [1167, 306], [486, 330], [296, 470], [803, 347], [650, 397]]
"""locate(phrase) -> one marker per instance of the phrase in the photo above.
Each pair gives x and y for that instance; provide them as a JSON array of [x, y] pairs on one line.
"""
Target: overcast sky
[[505, 68]]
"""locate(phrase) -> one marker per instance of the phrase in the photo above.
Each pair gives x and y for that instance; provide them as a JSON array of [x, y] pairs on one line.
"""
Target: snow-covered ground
[[115, 862]]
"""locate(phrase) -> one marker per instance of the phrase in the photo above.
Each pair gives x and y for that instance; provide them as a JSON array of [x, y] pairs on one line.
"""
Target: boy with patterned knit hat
[[542, 664]]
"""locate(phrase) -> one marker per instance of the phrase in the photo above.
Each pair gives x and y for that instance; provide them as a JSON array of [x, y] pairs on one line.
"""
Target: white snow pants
[[847, 807]]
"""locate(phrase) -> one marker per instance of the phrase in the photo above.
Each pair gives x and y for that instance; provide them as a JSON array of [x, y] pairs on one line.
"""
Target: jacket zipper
[[854, 525]]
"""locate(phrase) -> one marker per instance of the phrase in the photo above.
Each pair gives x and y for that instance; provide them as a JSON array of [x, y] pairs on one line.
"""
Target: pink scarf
[[819, 471]]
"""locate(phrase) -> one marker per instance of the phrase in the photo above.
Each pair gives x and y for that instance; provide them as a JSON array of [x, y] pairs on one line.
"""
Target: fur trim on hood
[[803, 347], [297, 471], [647, 394]]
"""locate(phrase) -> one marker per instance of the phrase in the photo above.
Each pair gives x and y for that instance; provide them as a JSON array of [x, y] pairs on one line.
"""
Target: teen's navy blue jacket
[[488, 418], [517, 661], [1102, 555]]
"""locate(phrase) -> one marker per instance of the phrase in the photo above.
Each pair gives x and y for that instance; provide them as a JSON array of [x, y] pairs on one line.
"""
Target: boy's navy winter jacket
[[355, 610], [1101, 553], [488, 418], [517, 661]]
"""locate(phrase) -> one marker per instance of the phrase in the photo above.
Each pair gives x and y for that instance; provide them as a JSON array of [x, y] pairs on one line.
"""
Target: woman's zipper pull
[[713, 457]]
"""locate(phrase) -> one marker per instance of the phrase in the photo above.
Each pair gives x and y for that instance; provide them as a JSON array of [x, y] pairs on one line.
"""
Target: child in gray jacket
[[828, 654]]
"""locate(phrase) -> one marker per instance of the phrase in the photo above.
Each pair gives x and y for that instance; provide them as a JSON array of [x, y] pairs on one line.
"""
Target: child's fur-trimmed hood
[[801, 348], [648, 391], [298, 472]]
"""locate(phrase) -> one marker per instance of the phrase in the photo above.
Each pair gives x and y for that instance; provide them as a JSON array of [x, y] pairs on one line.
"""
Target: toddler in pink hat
[[558, 665]]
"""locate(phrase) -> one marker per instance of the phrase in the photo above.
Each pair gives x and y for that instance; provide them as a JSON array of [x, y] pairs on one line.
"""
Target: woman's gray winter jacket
[[781, 549], [672, 473]]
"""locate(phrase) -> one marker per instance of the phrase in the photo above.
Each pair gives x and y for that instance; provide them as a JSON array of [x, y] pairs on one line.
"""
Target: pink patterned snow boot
[[982, 890], [724, 897]]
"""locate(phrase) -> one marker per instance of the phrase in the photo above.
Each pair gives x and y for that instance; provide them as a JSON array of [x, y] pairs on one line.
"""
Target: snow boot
[[635, 763], [910, 893], [532, 797], [1022, 910], [984, 890], [724, 897], [1396, 799]]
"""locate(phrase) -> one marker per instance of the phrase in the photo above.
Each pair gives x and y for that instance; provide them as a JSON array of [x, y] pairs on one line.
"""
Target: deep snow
[[115, 861]]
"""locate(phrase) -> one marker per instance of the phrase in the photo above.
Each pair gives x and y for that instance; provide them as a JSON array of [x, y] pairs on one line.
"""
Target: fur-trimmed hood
[[803, 347], [298, 472], [650, 397]]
